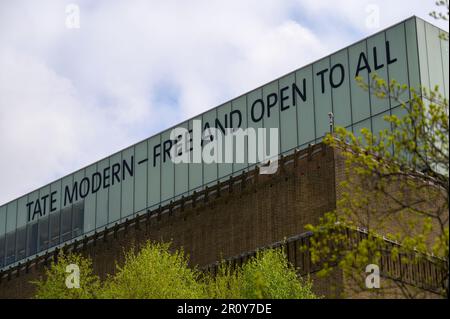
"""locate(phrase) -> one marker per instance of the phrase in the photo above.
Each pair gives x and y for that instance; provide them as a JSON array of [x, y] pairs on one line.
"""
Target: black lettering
[[156, 154], [322, 79], [375, 59], [106, 177], [239, 114], [388, 54], [219, 125], [257, 119], [362, 58], [302, 94], [283, 98], [44, 210], [72, 196], [52, 201], [37, 209], [115, 173], [95, 187], [339, 83], [85, 185], [272, 103], [29, 209], [127, 168], [167, 147]]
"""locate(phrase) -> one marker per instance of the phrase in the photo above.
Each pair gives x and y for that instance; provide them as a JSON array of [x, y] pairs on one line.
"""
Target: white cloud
[[69, 97]]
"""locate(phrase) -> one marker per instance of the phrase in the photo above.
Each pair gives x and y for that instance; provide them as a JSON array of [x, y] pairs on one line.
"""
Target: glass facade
[[143, 177]]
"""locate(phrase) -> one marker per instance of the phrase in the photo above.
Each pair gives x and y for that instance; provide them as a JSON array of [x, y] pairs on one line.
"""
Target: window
[[10, 248], [55, 229], [66, 224], [32, 233], [21, 241], [2, 251], [78, 219], [43, 234]]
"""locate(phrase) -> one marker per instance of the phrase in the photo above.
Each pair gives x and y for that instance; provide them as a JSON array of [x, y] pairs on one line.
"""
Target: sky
[[80, 80]]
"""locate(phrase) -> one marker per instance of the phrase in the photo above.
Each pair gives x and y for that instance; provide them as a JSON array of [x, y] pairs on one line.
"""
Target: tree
[[53, 284], [268, 275], [155, 271], [395, 188]]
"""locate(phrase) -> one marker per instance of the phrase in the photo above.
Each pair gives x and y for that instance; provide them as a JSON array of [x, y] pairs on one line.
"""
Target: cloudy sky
[[71, 96]]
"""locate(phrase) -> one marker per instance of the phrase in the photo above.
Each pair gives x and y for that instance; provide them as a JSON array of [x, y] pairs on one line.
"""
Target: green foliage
[[156, 272], [54, 284], [270, 276], [396, 185]]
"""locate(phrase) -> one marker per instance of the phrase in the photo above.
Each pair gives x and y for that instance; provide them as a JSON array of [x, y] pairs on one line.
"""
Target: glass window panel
[[195, 169], [32, 238], [271, 118], [167, 168], [2, 251], [140, 179], [55, 228], [78, 219], [22, 212], [101, 218], [182, 169], [445, 67], [255, 119], [115, 189], [322, 96], [224, 118], [239, 108], [434, 57], [10, 247], [413, 54], [376, 53], [288, 113], [66, 224], [11, 216], [305, 109], [423, 56], [398, 70], [21, 241], [209, 169], [128, 164], [43, 225], [154, 170], [2, 220], [341, 88], [90, 199], [360, 97]]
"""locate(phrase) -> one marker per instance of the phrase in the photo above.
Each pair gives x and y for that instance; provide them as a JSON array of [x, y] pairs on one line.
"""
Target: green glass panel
[[341, 88], [305, 108], [140, 179], [154, 170], [288, 113]]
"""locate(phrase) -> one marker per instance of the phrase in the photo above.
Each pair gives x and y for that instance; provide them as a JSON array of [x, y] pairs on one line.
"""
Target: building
[[180, 201]]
